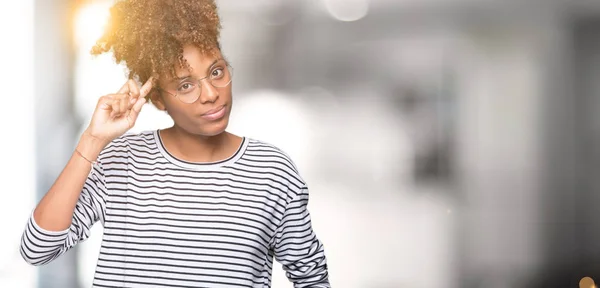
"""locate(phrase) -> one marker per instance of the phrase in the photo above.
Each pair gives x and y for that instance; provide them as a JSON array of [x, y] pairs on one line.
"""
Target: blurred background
[[446, 143]]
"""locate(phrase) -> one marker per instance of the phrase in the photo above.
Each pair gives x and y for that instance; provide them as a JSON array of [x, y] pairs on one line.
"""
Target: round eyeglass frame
[[229, 70]]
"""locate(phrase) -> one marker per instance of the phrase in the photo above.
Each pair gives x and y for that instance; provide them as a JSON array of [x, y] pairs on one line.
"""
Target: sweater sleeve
[[40, 246], [297, 247]]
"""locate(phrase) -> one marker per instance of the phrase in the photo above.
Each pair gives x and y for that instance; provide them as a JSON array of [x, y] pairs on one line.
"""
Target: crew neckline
[[199, 165]]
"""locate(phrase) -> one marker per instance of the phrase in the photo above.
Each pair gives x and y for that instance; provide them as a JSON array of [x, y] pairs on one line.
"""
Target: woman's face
[[209, 114]]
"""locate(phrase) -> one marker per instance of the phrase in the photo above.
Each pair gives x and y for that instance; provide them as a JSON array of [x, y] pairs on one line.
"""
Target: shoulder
[[271, 158], [270, 154], [137, 141]]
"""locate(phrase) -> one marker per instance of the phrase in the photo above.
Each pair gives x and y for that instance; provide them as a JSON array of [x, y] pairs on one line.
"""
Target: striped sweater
[[172, 223]]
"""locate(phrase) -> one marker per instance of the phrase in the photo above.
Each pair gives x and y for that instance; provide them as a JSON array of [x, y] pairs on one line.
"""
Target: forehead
[[197, 61]]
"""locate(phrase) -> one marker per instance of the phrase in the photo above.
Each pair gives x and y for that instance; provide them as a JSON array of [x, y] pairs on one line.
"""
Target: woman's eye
[[185, 87], [217, 73]]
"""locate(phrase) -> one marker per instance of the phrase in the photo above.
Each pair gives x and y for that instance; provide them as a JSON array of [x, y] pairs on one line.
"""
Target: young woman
[[187, 206]]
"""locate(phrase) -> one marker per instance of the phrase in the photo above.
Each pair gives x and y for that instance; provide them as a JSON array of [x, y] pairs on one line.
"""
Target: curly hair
[[149, 35]]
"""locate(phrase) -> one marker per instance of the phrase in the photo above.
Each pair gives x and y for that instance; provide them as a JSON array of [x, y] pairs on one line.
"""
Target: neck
[[198, 148]]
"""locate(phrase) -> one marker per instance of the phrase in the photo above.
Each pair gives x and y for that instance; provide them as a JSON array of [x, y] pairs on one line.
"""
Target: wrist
[[90, 146]]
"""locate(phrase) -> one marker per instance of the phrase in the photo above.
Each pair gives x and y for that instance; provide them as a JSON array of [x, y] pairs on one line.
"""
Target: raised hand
[[116, 113]]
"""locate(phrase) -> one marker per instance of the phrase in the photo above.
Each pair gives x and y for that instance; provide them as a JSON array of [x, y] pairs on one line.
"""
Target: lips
[[213, 111], [214, 114]]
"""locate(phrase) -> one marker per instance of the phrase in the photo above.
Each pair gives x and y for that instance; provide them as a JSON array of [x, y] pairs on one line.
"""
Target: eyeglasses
[[189, 90]]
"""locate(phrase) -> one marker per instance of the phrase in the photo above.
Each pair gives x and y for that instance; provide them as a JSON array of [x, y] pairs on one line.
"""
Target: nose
[[209, 94]]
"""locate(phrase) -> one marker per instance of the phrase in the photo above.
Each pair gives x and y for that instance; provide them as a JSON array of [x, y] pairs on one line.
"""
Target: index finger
[[130, 87], [147, 87]]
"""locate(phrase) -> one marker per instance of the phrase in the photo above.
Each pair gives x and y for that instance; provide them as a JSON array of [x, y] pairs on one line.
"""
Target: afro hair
[[148, 36]]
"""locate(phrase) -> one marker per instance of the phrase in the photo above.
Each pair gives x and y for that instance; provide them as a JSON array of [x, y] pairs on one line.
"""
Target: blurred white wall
[[499, 152], [17, 172]]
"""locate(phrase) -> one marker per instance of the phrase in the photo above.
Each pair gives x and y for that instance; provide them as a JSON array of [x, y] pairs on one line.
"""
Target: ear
[[157, 100]]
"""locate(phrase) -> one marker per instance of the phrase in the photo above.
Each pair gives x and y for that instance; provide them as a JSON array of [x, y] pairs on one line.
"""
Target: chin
[[212, 128]]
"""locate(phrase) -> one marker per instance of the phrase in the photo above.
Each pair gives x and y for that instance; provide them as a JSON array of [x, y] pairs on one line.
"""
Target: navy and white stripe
[[171, 223]]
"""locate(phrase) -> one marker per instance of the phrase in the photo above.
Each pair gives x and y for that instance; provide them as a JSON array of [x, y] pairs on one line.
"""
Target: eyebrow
[[188, 76]]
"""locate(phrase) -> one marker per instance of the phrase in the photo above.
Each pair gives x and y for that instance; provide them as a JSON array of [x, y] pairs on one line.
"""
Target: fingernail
[[132, 100]]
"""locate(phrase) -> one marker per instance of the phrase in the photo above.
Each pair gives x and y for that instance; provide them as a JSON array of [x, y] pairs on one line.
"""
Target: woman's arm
[[67, 212], [55, 210], [77, 198], [297, 247]]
